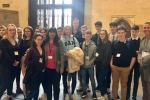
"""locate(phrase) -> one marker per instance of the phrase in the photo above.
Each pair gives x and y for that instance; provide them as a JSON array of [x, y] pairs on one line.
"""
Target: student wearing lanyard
[[69, 42], [122, 61], [103, 56], [34, 61], [54, 63], [10, 59], [89, 49], [79, 89]]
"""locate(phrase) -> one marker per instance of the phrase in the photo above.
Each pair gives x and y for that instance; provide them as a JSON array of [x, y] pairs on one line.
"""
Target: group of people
[[45, 55]]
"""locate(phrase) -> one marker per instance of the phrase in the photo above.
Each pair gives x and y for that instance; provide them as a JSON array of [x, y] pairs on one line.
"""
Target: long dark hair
[[56, 38], [32, 33], [33, 44]]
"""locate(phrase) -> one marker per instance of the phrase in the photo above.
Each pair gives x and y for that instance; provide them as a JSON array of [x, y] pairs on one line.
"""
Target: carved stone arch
[[127, 23]]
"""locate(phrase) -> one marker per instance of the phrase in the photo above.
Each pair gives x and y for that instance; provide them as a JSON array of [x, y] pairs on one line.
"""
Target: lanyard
[[50, 48]]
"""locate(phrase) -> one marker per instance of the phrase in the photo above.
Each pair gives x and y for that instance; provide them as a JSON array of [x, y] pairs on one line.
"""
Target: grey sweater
[[69, 43], [90, 51]]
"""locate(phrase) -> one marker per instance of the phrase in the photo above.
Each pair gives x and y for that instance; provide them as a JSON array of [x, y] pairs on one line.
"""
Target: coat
[[76, 61]]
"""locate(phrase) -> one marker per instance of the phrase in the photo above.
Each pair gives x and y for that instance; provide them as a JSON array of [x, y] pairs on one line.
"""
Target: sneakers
[[10, 98], [66, 96], [79, 90], [134, 98], [84, 94], [106, 97], [43, 96], [97, 89], [19, 91], [118, 97], [73, 97], [88, 89], [94, 96], [13, 94], [102, 98]]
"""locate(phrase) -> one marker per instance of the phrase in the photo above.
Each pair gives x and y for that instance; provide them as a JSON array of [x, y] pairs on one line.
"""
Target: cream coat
[[76, 61]]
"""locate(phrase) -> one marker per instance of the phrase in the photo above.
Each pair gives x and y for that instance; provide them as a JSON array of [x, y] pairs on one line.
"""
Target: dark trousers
[[52, 78], [73, 76], [44, 85], [18, 73], [5, 77], [13, 76], [34, 93], [108, 77], [64, 74], [145, 86], [97, 71], [136, 80], [102, 73]]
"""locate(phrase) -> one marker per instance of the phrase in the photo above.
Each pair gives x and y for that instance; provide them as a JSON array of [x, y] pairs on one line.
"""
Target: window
[[54, 13]]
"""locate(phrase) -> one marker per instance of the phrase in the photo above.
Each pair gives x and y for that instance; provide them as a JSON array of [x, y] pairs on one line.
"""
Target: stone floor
[[78, 95]]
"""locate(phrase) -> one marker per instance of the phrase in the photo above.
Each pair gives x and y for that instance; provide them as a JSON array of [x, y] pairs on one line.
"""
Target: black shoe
[[19, 91], [118, 97], [94, 96], [13, 94], [80, 90], [133, 98], [97, 89], [10, 98], [88, 89], [84, 94], [108, 93]]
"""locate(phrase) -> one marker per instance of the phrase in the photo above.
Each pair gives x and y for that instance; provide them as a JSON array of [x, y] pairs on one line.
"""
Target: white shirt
[[134, 38], [111, 37]]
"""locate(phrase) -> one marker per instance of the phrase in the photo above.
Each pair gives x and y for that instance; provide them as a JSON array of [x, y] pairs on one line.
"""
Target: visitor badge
[[16, 53], [50, 57], [40, 60], [87, 57], [118, 55], [96, 54]]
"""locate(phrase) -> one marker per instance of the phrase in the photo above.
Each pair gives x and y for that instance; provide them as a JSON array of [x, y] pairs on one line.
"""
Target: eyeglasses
[[102, 34], [11, 30], [27, 31]]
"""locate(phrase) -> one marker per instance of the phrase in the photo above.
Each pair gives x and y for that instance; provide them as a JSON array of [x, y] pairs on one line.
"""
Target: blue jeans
[[90, 72], [33, 94], [102, 83]]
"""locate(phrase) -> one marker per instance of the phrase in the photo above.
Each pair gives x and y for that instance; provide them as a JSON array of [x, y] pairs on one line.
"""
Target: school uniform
[[136, 69], [122, 53]]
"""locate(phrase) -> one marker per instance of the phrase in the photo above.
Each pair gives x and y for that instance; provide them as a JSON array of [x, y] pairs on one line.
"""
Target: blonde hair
[[83, 26], [65, 28], [15, 36]]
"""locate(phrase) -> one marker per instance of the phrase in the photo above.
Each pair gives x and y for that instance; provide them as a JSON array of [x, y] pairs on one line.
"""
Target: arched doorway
[[126, 24]]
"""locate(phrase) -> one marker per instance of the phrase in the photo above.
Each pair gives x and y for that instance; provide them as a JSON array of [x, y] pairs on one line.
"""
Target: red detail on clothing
[[50, 63]]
